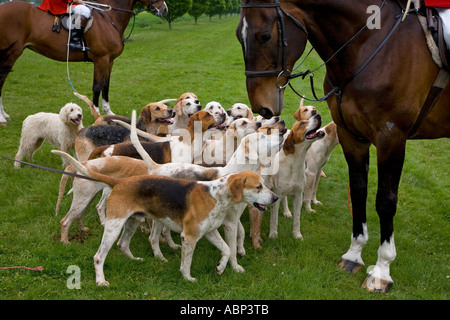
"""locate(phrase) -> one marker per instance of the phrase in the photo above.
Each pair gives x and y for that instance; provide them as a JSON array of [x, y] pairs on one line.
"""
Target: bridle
[[282, 42]]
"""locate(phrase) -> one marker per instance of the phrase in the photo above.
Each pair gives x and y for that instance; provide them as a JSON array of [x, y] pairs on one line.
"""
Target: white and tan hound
[[316, 158]]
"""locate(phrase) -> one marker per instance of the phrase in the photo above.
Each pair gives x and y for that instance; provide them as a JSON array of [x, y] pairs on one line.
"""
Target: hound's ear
[[250, 114], [288, 144], [236, 186], [146, 114], [297, 115], [177, 109]]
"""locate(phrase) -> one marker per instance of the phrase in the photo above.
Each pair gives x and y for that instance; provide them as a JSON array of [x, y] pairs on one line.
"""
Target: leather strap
[[51, 169], [433, 96]]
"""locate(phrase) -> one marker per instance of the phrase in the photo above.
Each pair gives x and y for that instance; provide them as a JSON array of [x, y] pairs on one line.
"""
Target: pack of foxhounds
[[186, 169]]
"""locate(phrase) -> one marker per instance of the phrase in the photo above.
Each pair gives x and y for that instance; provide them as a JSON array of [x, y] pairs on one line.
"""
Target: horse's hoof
[[377, 285], [350, 266]]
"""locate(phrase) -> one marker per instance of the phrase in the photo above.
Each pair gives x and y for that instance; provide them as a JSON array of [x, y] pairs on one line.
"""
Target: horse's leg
[[357, 156], [3, 115], [391, 154], [105, 92], [7, 59], [102, 71]]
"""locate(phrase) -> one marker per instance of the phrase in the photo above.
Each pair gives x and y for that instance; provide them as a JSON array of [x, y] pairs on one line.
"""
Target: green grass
[[205, 58]]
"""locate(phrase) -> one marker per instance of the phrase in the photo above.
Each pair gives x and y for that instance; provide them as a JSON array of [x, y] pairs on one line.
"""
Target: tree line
[[196, 8]]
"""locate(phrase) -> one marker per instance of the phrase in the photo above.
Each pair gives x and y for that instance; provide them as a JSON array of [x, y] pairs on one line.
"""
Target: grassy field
[[206, 59]]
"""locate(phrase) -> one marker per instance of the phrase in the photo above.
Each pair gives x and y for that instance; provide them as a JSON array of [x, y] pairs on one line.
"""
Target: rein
[[283, 43], [337, 89], [102, 8]]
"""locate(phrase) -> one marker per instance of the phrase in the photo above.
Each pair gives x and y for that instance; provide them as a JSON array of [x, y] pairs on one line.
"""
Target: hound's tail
[[143, 134], [91, 105], [137, 144], [167, 100], [87, 172]]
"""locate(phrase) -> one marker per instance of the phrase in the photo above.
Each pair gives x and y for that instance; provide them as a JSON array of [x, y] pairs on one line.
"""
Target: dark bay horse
[[378, 79], [23, 25]]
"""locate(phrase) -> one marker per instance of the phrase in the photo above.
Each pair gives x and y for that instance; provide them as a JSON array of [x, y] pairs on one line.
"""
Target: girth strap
[[433, 96]]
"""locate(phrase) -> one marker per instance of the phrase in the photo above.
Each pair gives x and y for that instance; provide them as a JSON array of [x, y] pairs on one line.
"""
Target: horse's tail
[[91, 105], [111, 181], [62, 186], [151, 164]]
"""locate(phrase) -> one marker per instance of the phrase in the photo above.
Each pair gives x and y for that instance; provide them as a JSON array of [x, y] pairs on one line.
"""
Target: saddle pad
[[65, 22]]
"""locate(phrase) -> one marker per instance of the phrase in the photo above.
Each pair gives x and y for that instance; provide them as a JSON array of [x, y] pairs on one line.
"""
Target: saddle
[[63, 20], [435, 28]]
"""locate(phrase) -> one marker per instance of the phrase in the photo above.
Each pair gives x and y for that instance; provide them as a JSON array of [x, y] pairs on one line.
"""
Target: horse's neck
[[120, 18], [333, 23]]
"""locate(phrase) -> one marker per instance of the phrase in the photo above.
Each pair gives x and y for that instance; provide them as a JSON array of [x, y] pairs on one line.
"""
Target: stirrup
[[78, 46]]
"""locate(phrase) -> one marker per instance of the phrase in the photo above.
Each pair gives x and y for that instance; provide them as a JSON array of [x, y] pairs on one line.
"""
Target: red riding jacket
[[438, 3], [57, 7]]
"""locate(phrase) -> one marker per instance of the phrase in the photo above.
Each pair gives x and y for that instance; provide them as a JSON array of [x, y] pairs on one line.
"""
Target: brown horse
[[377, 80], [23, 25]]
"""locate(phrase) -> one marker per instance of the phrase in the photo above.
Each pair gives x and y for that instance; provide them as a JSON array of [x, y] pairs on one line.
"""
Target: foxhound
[[184, 108], [154, 118], [192, 208], [289, 178], [316, 158], [240, 110], [218, 112]]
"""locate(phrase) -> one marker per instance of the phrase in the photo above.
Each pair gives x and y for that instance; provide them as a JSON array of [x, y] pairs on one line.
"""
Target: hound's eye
[[259, 188], [265, 38], [71, 110], [158, 108]]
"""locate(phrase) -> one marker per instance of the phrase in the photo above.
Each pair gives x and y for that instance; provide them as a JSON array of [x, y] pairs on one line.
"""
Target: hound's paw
[[287, 214], [239, 269], [273, 234], [103, 284], [298, 235]]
